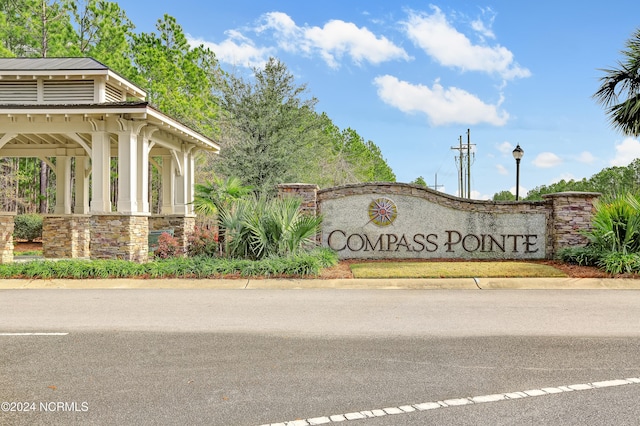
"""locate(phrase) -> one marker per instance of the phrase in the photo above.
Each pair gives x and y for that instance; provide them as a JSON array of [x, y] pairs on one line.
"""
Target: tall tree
[[504, 196], [619, 92], [270, 120], [37, 28], [180, 80], [366, 158], [420, 181], [610, 182], [103, 32]]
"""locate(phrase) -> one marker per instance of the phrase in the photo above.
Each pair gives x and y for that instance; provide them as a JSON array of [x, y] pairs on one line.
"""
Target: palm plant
[[616, 225], [212, 197], [619, 92], [234, 234], [278, 227], [258, 227]]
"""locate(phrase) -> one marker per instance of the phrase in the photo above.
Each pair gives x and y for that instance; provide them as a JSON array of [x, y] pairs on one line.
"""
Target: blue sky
[[413, 76]]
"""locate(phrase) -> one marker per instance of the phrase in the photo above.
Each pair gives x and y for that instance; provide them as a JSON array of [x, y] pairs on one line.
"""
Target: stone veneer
[[183, 227], [66, 236], [119, 236], [567, 214], [7, 225], [572, 212], [308, 192]]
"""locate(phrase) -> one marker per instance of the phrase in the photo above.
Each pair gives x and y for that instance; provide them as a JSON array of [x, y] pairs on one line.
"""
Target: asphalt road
[[236, 357]]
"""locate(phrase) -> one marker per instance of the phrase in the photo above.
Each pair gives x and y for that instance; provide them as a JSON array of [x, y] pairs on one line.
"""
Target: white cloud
[[333, 41], [627, 151], [286, 31], [477, 195], [546, 160], [236, 50], [481, 28], [521, 193], [442, 106], [586, 157], [564, 176], [502, 169], [505, 147], [440, 40]]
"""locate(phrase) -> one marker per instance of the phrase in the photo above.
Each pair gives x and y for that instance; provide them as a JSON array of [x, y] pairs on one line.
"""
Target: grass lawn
[[454, 270]]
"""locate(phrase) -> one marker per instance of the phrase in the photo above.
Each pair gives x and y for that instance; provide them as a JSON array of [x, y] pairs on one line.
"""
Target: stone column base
[[66, 236], [183, 226], [119, 236], [6, 237]]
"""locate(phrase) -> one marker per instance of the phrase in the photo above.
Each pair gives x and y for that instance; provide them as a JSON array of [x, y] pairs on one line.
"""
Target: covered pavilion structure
[[76, 114]]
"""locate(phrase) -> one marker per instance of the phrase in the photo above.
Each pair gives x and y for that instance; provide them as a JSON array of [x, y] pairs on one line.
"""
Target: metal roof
[[51, 64]]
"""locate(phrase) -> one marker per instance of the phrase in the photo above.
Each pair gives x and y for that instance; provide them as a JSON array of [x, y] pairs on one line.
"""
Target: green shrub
[[616, 225], [583, 256], [614, 238], [27, 227], [299, 264], [620, 263]]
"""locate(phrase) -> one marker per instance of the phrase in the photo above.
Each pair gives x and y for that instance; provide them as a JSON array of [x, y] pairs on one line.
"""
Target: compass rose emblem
[[382, 211]]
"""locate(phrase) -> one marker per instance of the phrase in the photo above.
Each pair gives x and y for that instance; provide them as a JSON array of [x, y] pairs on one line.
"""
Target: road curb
[[351, 284]]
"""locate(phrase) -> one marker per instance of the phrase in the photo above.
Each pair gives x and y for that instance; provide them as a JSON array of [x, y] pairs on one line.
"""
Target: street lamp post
[[517, 154]]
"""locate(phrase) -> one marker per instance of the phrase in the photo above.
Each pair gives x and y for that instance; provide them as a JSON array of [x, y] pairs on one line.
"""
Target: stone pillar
[[120, 236], [307, 191], [571, 214], [6, 237], [66, 236], [183, 226]]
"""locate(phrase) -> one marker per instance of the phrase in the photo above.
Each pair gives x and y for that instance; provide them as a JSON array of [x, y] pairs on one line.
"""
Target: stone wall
[[183, 226], [559, 218], [119, 236], [6, 237], [571, 215], [66, 236], [308, 193]]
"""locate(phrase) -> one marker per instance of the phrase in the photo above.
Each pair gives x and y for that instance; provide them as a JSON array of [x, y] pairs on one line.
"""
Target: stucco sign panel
[[402, 226]]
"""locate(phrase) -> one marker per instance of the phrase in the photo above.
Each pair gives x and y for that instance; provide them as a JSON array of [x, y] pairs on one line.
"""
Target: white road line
[[33, 334], [455, 402]]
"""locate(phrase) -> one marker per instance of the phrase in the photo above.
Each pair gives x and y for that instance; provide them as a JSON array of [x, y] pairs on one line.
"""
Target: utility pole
[[435, 186], [468, 163], [464, 161], [459, 162]]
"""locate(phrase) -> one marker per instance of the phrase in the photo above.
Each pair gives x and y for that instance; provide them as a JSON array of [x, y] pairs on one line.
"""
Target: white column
[[82, 186], [168, 184], [190, 172], [100, 173], [127, 171], [143, 174], [63, 185], [182, 189]]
